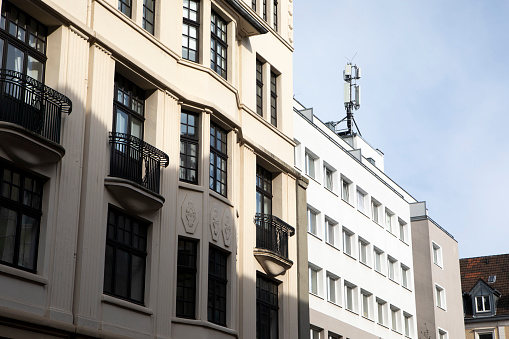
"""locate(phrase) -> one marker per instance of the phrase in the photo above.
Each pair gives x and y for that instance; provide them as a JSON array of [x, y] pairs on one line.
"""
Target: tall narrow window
[[216, 307], [395, 318], [375, 207], [310, 165], [314, 279], [186, 278], [22, 45], [188, 147], [366, 304], [378, 260], [218, 159], [312, 228], [125, 6], [129, 108], [482, 303], [20, 217], [350, 296], [405, 276], [347, 242], [332, 282], [266, 308], [218, 44], [363, 251], [345, 190], [265, 10], [391, 268], [273, 98], [361, 199], [437, 254], [259, 87], [263, 190], [126, 252], [253, 5], [190, 30], [148, 15], [275, 15], [408, 324], [331, 232], [380, 305], [402, 231], [388, 221], [329, 183]]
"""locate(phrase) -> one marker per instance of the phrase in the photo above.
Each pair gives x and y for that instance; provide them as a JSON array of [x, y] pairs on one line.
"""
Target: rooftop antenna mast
[[352, 95]]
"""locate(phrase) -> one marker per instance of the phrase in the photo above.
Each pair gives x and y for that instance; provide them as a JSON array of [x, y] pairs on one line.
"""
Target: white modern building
[[360, 262]]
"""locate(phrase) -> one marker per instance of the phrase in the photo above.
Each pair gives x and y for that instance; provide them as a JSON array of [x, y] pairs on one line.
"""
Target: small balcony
[[271, 249], [135, 172], [30, 119]]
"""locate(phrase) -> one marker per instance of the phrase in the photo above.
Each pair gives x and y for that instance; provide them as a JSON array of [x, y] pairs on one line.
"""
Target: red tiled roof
[[473, 269]]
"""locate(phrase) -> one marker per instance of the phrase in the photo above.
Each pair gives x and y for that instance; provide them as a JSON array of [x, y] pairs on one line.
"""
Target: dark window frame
[[115, 230], [186, 278], [134, 96], [187, 141], [218, 177], [189, 23], [145, 20], [253, 5], [265, 10], [273, 98], [267, 303], [275, 15], [217, 285], [34, 33], [259, 87], [219, 44], [264, 188], [126, 7], [28, 187]]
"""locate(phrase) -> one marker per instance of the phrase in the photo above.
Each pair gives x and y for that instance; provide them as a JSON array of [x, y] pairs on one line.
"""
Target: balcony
[[135, 173], [30, 119], [271, 249]]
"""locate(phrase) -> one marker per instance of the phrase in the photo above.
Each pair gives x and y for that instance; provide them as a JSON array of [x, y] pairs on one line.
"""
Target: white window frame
[[361, 200], [395, 319], [313, 214], [348, 242], [350, 296], [378, 254], [442, 334], [381, 305], [328, 169], [375, 211], [317, 271], [480, 332], [331, 232], [476, 304], [388, 220], [333, 282], [408, 329], [364, 251], [346, 186], [366, 302], [405, 276], [437, 254], [315, 331], [440, 297], [310, 164], [391, 268], [403, 231]]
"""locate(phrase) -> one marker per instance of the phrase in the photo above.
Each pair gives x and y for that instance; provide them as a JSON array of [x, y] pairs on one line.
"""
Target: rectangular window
[[366, 304], [125, 6], [402, 231], [485, 335], [266, 308], [440, 295], [378, 260], [363, 251], [312, 222], [218, 159], [332, 283], [329, 183], [388, 221], [334, 336], [380, 306], [263, 191], [331, 229], [218, 44], [186, 278], [347, 242], [218, 268], [482, 303], [20, 218], [190, 29], [443, 335], [275, 15], [273, 98], [314, 282], [391, 268], [315, 333], [310, 165], [350, 296], [265, 10], [345, 190], [375, 210], [395, 318], [148, 15], [361, 198], [408, 324], [405, 276], [437, 254], [188, 147], [259, 87], [125, 261], [253, 5]]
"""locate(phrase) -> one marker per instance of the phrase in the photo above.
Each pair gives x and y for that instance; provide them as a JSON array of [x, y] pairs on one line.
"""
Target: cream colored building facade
[[147, 223]]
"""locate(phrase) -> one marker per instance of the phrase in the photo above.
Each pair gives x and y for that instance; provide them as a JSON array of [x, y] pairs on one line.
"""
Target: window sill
[[315, 236], [377, 223], [350, 256], [333, 303], [205, 324], [23, 275], [383, 275], [221, 198], [347, 203], [315, 180], [398, 332], [406, 288], [363, 317], [394, 281], [334, 247], [394, 235], [349, 310], [364, 214], [316, 295], [331, 191], [438, 265], [387, 327], [193, 187], [443, 309], [125, 304], [365, 264], [404, 242]]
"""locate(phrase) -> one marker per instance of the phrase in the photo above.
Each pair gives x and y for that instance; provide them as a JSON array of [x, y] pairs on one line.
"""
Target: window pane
[[28, 242], [15, 59], [121, 273], [138, 277], [35, 69], [8, 219]]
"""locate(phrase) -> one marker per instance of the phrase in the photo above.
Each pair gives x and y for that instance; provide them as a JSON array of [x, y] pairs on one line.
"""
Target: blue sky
[[435, 100]]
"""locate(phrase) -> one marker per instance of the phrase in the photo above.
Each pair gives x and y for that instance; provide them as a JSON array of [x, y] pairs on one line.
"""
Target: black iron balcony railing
[[135, 160], [29, 103], [272, 234]]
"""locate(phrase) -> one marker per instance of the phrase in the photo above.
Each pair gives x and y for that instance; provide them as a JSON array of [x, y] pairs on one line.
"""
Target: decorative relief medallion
[[214, 222], [190, 215], [227, 227]]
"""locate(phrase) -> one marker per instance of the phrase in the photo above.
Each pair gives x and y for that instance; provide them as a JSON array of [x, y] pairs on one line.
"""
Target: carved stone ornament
[[214, 222], [227, 227], [190, 215]]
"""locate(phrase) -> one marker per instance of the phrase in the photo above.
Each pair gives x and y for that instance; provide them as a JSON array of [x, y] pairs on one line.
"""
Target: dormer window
[[482, 303]]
